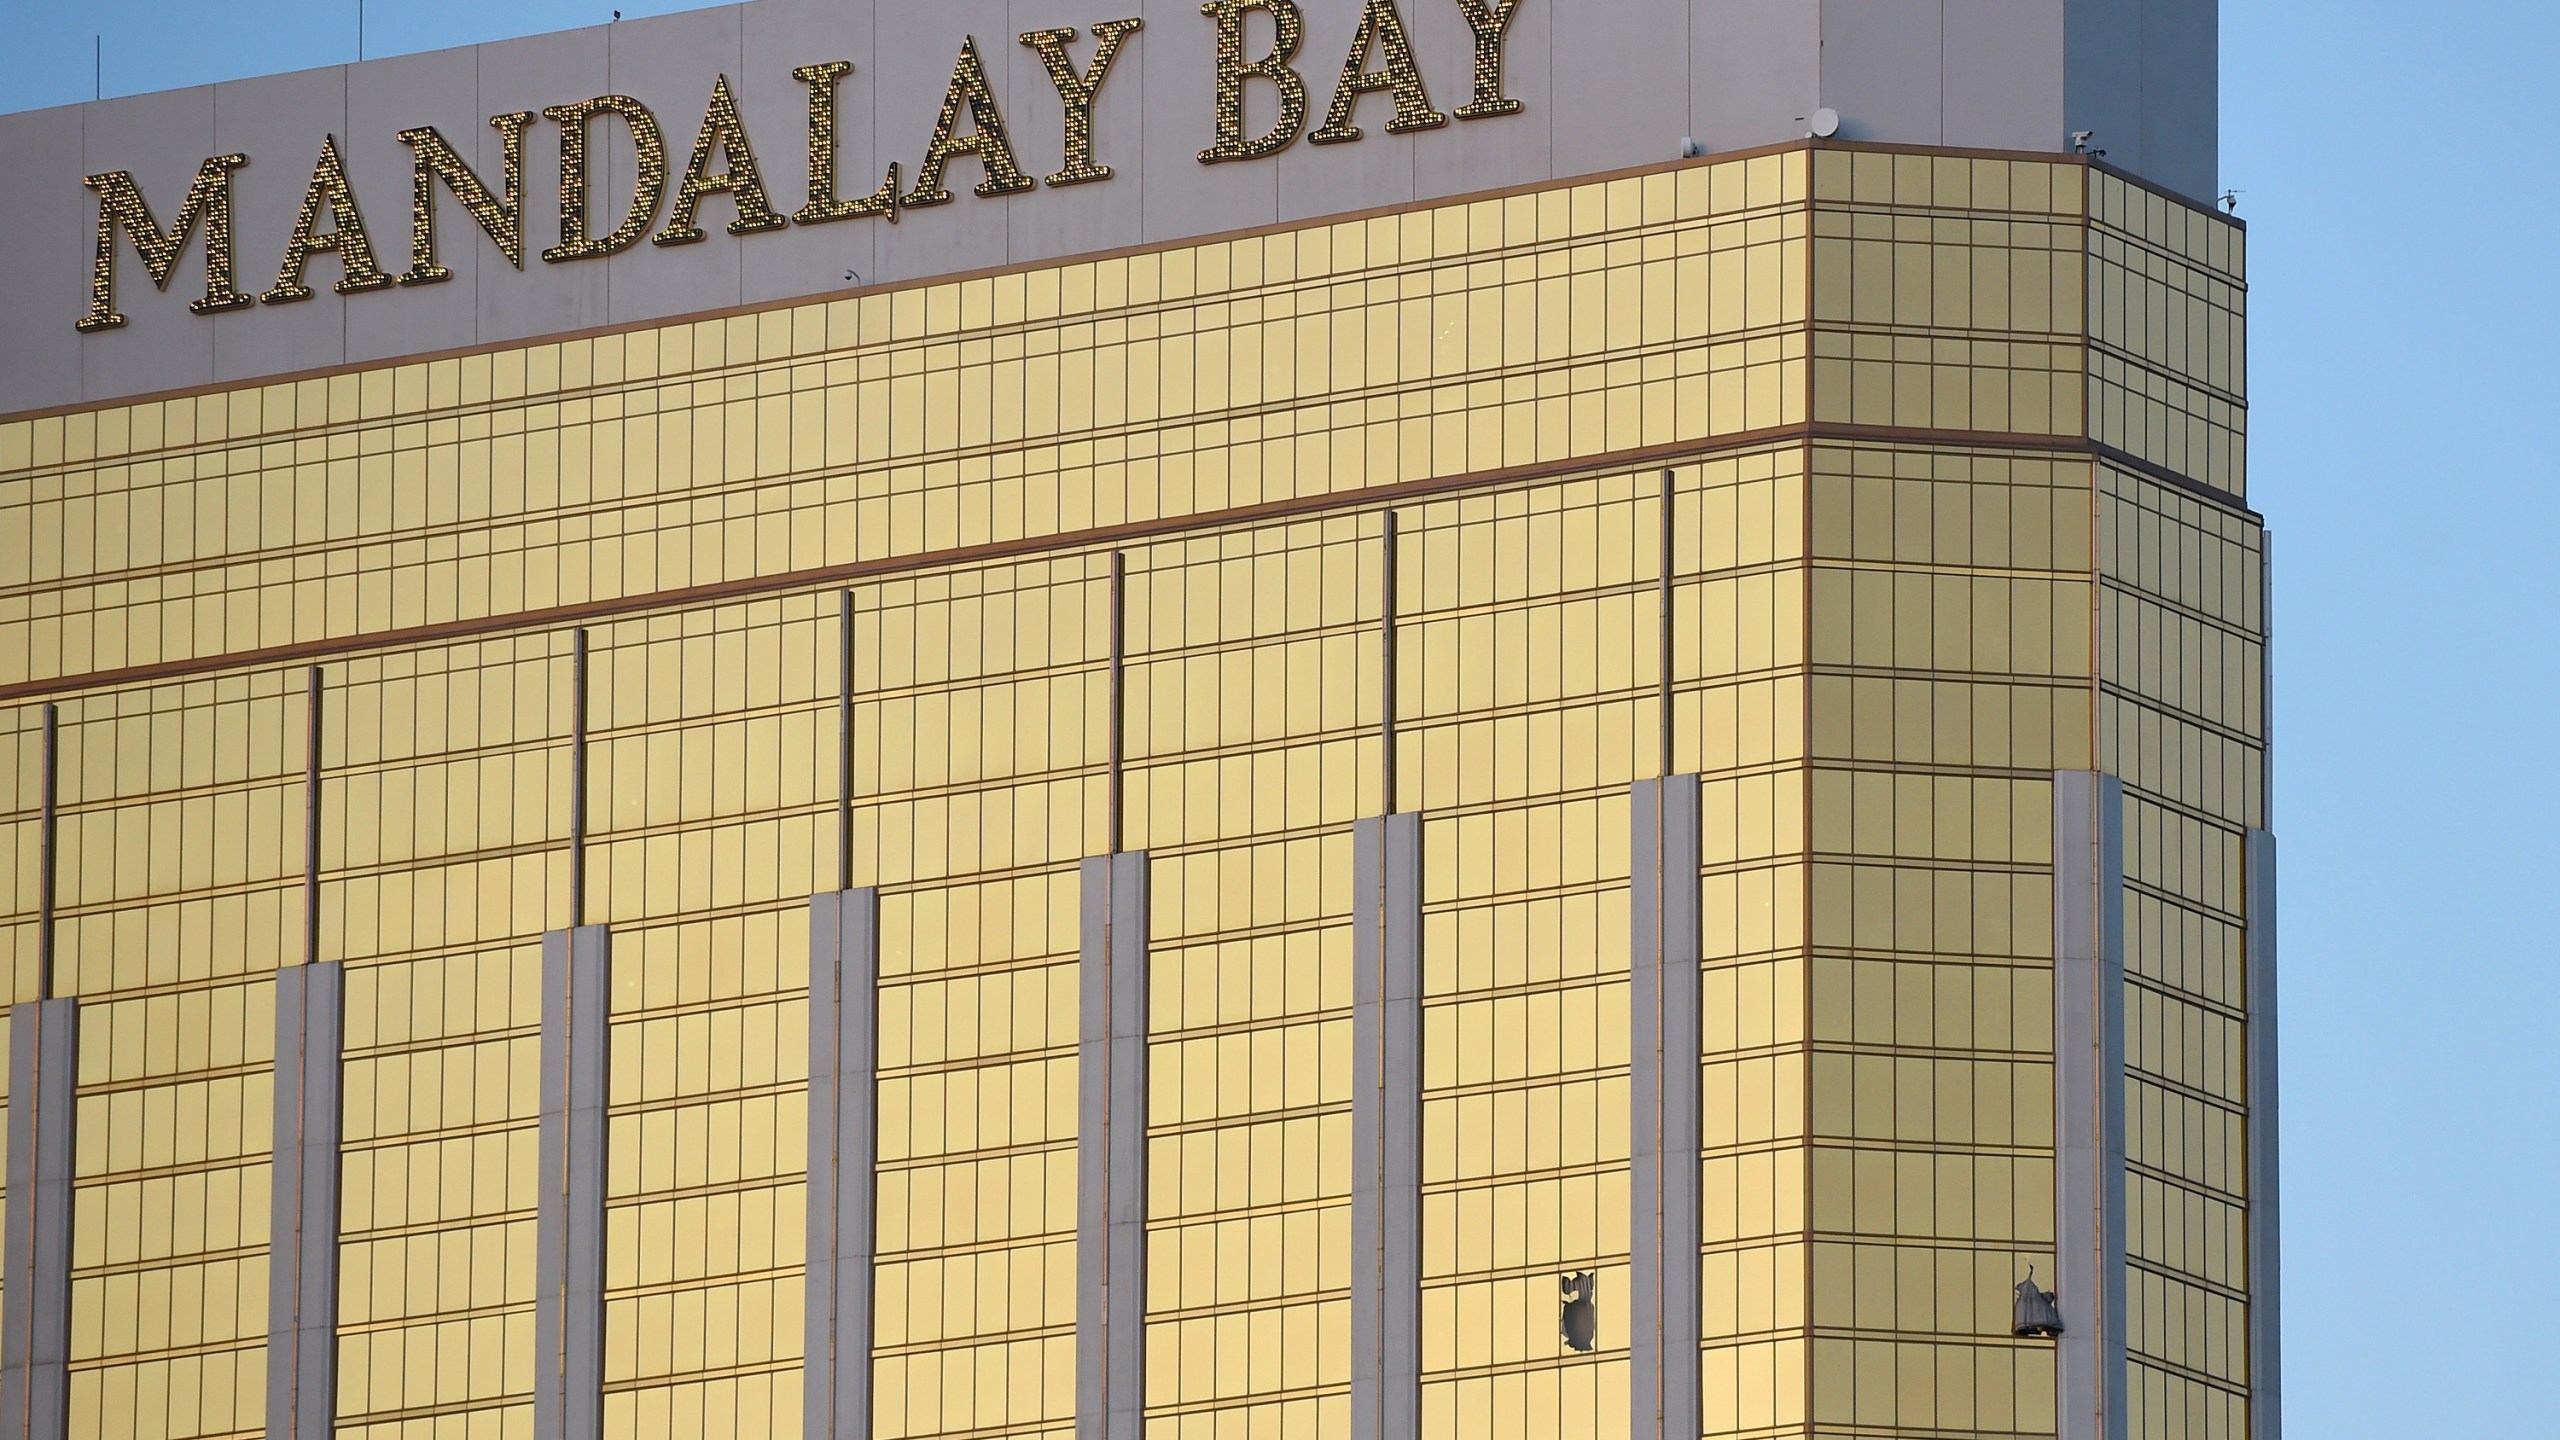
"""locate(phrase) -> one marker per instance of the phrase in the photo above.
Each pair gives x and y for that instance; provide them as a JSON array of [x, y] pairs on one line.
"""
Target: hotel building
[[1237, 721]]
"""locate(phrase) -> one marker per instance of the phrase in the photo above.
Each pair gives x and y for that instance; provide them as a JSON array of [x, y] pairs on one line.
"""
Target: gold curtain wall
[[1957, 501]]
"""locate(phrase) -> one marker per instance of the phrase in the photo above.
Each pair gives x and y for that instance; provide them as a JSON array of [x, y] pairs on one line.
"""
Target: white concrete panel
[[1386, 1127], [1621, 75], [160, 139], [569, 1222], [35, 1322], [968, 233], [283, 121], [1491, 153], [1376, 169], [1755, 73], [529, 74], [2088, 1104], [302, 1306], [807, 259], [844, 977], [2004, 74], [1881, 67], [1098, 214], [1111, 1148], [442, 89], [1666, 1057], [1031, 106], [671, 67], [48, 232], [1177, 194], [1607, 84]]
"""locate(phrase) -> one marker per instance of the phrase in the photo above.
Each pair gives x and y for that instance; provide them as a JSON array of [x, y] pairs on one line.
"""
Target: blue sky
[[2403, 204]]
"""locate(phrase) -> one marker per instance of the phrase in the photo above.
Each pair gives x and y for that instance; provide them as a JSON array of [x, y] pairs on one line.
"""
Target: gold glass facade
[[1955, 446]]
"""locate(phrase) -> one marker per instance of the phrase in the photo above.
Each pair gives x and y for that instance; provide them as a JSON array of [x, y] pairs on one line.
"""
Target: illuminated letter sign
[[646, 190], [970, 124], [121, 207], [500, 217]]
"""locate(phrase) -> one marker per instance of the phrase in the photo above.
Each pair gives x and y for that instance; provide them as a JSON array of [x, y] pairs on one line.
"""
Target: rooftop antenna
[[97, 67], [359, 29]]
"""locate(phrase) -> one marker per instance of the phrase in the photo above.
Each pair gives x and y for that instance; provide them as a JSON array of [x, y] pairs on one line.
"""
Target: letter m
[[121, 207]]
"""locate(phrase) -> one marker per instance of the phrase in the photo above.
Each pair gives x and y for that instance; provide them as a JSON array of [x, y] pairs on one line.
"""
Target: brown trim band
[[1135, 531], [2154, 470]]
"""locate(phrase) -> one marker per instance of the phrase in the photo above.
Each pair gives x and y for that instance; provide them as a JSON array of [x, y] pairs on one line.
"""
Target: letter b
[[1289, 27]]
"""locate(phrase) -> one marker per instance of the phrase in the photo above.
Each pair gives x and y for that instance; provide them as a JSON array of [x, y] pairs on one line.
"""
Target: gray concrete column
[[35, 1313], [2088, 1103], [302, 1253], [568, 1308], [1663, 998], [1386, 1129], [2266, 1209], [844, 1029], [1111, 1150]]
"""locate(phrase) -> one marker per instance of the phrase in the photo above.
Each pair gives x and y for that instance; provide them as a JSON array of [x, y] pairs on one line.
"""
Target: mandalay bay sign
[[723, 161]]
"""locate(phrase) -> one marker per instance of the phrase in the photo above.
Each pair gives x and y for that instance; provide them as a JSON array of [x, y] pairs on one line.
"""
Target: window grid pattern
[[2182, 661], [180, 860], [2168, 333], [439, 1177], [707, 1141], [1739, 721], [980, 747], [21, 843], [1951, 659], [1885, 649], [444, 795], [1253, 705], [1530, 329], [711, 785], [1526, 706], [1948, 294], [710, 821]]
